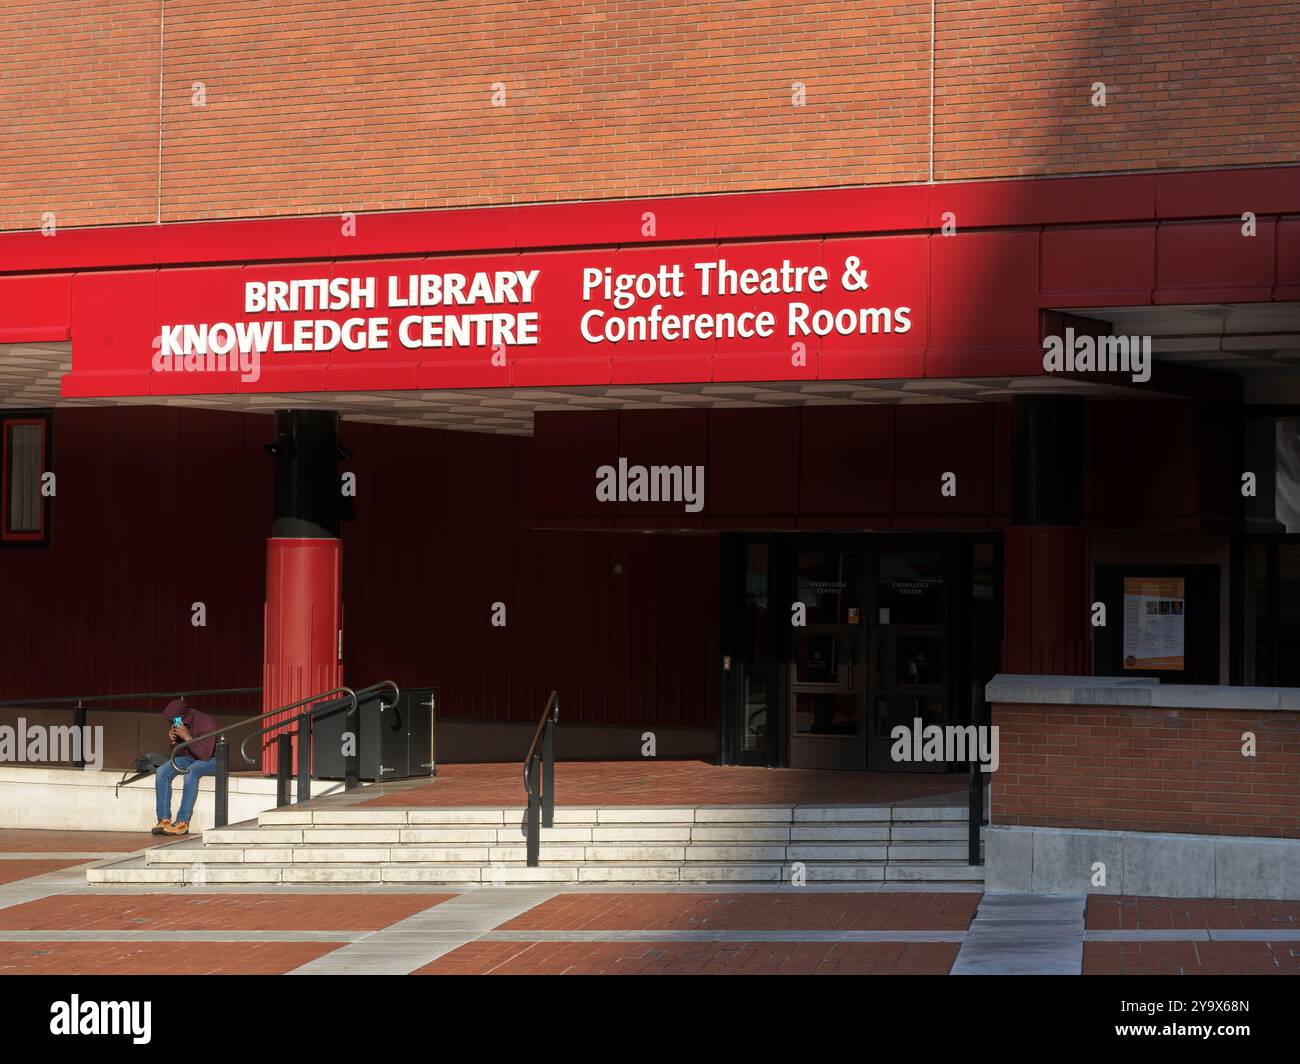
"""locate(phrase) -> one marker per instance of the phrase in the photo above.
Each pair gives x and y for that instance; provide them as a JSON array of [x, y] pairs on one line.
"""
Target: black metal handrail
[[975, 813], [541, 792], [77, 700], [304, 721]]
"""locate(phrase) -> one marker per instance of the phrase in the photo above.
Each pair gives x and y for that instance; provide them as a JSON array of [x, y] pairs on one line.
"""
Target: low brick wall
[[1147, 768]]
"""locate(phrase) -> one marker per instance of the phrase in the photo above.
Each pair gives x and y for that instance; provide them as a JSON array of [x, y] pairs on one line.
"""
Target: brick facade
[[335, 105], [1140, 769]]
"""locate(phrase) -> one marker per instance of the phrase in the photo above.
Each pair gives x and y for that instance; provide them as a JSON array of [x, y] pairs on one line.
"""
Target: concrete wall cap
[[1136, 691]]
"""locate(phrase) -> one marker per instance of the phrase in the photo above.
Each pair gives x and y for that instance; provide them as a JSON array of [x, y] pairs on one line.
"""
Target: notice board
[[1161, 621]]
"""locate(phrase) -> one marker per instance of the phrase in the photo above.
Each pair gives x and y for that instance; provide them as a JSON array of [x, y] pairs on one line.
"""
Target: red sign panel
[[758, 311]]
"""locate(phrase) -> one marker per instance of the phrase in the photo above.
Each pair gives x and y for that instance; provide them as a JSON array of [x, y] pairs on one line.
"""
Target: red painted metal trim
[[37, 334], [739, 216]]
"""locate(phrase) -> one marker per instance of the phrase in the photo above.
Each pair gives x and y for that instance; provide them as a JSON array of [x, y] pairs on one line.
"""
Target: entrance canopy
[[910, 283]]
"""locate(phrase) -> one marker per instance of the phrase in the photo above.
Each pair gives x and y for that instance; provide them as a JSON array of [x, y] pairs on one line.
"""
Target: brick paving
[[32, 840], [179, 958], [1191, 958], [695, 958], [754, 932], [12, 871], [215, 912], [914, 911], [669, 783], [1162, 914]]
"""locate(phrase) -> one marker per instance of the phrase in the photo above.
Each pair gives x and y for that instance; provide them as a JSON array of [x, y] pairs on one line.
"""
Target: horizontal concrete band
[[1050, 860], [1197, 934], [1136, 692]]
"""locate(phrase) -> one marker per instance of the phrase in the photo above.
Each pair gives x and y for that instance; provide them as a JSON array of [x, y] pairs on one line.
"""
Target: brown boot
[[178, 828], [161, 827]]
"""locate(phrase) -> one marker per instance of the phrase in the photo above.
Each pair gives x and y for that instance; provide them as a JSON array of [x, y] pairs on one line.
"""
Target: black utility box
[[396, 740]]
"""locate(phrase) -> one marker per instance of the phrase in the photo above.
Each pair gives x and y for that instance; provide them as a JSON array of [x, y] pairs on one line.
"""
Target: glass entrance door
[[828, 665], [910, 639], [890, 629]]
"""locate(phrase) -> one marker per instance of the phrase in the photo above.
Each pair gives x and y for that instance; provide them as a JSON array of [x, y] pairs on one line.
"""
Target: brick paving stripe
[[14, 871], [1125, 913], [216, 912], [694, 958], [1191, 958], [130, 958], [788, 911], [36, 840], [595, 783]]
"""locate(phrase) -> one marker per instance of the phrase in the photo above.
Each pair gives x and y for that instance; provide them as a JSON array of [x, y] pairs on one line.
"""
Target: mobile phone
[[177, 722]]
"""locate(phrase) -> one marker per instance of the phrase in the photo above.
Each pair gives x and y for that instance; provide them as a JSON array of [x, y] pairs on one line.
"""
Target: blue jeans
[[189, 789]]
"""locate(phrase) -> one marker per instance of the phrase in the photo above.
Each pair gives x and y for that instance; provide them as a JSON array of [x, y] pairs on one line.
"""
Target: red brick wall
[[1127, 769], [336, 105]]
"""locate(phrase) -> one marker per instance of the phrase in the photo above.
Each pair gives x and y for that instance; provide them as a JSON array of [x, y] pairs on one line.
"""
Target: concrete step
[[192, 853], [934, 872], [623, 816], [140, 873], [950, 831]]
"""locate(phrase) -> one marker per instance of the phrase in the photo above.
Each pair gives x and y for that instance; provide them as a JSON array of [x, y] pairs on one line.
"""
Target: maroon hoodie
[[198, 723]]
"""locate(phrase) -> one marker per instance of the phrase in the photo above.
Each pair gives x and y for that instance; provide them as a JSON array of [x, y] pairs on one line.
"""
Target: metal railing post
[[976, 813], [352, 759], [221, 816], [304, 757], [79, 722], [534, 816], [548, 775], [282, 755]]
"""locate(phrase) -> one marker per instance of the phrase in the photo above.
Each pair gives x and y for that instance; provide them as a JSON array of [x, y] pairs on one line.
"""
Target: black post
[[534, 814], [282, 754], [79, 722], [221, 817], [976, 813], [304, 757], [548, 774], [433, 733], [352, 760]]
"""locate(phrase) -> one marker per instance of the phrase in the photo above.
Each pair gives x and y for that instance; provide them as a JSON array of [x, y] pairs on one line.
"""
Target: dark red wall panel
[[1097, 266], [1214, 262], [753, 464], [1143, 463], [568, 448], [924, 452], [846, 460], [157, 509]]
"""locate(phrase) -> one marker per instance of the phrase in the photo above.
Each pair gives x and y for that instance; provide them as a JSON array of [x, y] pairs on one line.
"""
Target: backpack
[[145, 765]]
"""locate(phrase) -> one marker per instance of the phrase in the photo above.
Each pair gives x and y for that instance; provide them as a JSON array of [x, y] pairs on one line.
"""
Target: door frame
[[963, 688]]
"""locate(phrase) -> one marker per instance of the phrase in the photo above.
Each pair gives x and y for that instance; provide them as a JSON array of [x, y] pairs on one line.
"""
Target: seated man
[[184, 723]]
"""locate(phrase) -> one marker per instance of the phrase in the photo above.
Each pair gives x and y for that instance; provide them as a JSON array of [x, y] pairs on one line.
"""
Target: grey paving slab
[[1024, 934], [427, 935], [1197, 934]]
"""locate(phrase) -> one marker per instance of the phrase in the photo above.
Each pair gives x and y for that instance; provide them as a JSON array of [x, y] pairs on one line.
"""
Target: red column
[[1047, 616], [303, 623]]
